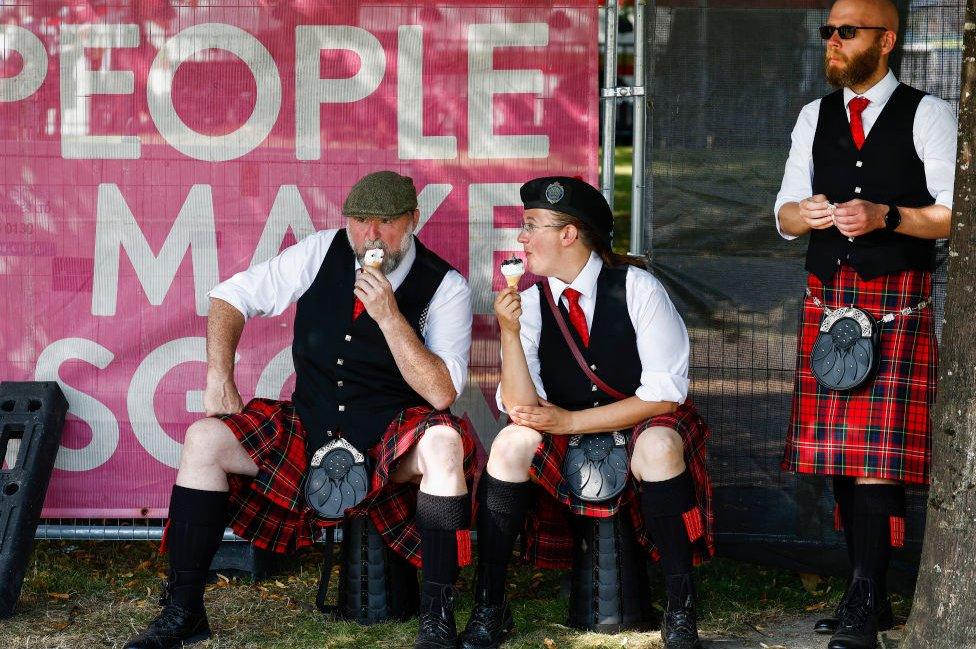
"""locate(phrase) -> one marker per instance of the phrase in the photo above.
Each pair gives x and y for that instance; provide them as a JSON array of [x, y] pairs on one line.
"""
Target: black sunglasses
[[846, 32]]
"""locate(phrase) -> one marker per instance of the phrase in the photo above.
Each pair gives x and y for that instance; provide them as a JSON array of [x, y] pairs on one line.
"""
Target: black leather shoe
[[828, 625], [680, 628], [438, 629], [858, 627], [174, 627], [489, 625]]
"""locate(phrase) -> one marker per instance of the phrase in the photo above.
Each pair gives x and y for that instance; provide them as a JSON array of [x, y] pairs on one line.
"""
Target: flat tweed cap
[[570, 196], [383, 193]]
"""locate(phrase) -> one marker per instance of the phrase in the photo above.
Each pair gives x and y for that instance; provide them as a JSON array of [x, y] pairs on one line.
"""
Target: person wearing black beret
[[631, 338]]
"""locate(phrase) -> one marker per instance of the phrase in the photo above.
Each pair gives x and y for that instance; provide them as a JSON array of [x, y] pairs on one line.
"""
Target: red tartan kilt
[[881, 430], [270, 511], [548, 537]]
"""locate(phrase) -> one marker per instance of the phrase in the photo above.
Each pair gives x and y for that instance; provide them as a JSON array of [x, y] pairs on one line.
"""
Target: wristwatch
[[892, 218]]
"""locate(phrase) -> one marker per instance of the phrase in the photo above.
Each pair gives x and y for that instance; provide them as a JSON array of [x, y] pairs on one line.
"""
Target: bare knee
[[658, 454], [440, 450], [206, 442], [513, 449]]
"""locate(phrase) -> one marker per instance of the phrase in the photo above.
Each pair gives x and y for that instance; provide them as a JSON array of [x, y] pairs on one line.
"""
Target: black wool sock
[[196, 526], [874, 505], [663, 505], [439, 519], [844, 497], [501, 512]]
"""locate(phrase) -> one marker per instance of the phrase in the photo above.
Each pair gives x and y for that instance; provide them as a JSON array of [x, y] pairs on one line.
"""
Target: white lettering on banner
[[311, 91], [142, 389], [103, 424], [484, 238], [26, 82], [484, 82], [287, 212], [79, 83], [187, 44], [429, 199], [116, 227], [412, 144]]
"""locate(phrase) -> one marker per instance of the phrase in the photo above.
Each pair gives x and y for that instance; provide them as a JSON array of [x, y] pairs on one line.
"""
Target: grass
[[96, 594]]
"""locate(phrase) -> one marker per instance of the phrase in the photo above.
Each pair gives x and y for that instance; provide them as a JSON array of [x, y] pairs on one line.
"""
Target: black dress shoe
[[489, 625], [174, 627], [680, 628], [437, 627], [828, 625], [858, 627]]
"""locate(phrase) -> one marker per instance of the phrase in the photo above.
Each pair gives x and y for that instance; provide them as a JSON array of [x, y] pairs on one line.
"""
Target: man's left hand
[[858, 217], [546, 418], [376, 294]]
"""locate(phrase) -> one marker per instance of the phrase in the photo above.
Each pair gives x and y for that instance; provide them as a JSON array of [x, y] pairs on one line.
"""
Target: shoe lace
[[170, 620], [859, 607], [485, 615], [433, 624], [681, 622]]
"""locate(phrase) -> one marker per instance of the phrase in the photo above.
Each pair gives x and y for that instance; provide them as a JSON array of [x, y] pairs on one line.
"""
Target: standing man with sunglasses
[[869, 177]]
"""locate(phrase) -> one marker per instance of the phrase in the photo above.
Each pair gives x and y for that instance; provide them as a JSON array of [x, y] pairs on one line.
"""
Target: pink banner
[[151, 149]]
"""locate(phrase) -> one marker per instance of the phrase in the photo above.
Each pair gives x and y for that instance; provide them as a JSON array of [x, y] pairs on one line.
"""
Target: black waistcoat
[[885, 170], [612, 353], [345, 377]]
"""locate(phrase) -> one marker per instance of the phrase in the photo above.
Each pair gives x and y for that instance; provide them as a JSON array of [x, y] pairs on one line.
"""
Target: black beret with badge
[[570, 196]]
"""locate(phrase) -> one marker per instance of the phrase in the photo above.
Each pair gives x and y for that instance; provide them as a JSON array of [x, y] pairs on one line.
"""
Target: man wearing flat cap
[[380, 353], [595, 349]]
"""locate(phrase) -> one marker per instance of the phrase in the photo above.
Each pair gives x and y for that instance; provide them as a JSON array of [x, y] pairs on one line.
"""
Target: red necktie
[[357, 308], [576, 315], [857, 106]]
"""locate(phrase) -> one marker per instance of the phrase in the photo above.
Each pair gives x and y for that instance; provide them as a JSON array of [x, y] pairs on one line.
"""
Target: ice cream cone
[[373, 258], [512, 270]]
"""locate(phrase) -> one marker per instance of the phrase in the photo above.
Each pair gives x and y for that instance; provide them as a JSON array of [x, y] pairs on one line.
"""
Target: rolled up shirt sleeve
[[798, 174], [662, 339], [935, 132], [530, 329], [448, 328], [268, 288]]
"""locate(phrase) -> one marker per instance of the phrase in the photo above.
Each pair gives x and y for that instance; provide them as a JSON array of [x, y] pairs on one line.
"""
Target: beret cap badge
[[555, 193]]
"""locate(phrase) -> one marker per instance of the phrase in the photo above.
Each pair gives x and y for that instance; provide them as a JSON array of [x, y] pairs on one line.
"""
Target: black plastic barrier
[[31, 418]]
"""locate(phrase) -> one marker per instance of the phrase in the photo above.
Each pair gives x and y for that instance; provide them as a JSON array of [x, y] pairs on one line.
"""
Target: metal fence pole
[[609, 98], [641, 177]]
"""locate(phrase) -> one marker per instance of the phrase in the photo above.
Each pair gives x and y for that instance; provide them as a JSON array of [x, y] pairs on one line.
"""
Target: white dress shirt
[[268, 288], [933, 131], [662, 340]]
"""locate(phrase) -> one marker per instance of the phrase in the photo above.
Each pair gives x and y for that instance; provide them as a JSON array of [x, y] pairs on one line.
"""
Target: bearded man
[[869, 178], [380, 355]]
